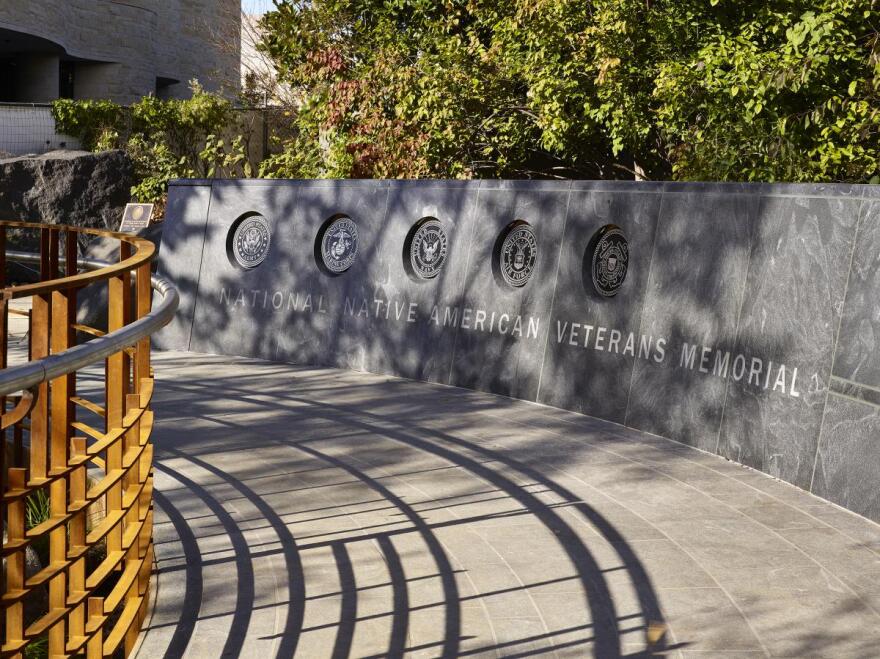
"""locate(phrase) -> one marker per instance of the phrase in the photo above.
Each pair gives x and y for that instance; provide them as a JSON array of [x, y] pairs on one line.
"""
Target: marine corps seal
[[609, 260], [518, 254], [249, 241], [427, 248], [338, 245]]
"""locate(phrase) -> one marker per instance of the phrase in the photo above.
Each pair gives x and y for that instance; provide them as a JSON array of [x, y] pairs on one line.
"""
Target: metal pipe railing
[[18, 378]]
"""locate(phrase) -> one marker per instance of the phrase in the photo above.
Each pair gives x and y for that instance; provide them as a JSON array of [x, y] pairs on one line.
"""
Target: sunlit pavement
[[325, 513]]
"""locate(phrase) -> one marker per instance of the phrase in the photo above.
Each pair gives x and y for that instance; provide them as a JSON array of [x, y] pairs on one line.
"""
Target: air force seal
[[609, 260], [427, 248], [518, 253], [249, 241], [338, 244]]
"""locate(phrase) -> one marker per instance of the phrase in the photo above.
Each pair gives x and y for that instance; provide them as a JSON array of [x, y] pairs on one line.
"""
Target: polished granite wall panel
[[182, 245], [331, 332], [234, 312], [759, 273], [502, 361], [790, 314], [576, 375], [848, 462], [402, 334], [693, 298], [858, 349]]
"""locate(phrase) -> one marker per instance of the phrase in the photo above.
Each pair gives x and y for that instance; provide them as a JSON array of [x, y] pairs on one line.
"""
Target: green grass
[[38, 648], [37, 511]]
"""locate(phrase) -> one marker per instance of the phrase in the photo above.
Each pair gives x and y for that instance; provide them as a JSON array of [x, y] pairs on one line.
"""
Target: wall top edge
[[839, 190]]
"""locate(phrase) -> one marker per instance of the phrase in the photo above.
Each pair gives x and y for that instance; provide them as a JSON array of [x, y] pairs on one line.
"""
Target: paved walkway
[[326, 513]]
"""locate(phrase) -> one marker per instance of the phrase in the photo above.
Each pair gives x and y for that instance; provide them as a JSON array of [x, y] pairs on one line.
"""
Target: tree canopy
[[686, 89]]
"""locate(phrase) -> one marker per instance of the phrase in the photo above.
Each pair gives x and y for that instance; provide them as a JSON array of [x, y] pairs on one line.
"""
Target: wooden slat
[[85, 329], [88, 405]]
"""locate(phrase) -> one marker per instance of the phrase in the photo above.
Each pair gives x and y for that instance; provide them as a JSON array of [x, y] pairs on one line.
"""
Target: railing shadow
[[202, 483]]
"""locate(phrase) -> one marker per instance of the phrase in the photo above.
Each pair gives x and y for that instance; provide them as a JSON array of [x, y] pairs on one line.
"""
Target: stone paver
[[325, 513]]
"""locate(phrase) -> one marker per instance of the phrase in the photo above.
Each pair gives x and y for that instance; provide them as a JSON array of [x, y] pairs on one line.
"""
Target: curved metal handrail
[[145, 251], [17, 378]]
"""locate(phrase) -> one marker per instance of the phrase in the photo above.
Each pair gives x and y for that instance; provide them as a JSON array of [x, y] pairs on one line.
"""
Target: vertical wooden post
[[39, 349], [130, 441], [124, 253], [40, 414], [144, 302], [61, 335], [15, 562], [95, 646], [54, 234], [77, 531], [116, 388], [71, 254]]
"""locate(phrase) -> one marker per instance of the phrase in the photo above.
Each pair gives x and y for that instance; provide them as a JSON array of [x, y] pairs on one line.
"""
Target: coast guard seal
[[249, 241], [609, 260], [518, 254], [427, 249], [338, 244]]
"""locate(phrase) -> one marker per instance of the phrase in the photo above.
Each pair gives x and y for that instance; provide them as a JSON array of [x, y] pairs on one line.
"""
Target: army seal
[[609, 260], [338, 244], [518, 254], [249, 241], [427, 249]]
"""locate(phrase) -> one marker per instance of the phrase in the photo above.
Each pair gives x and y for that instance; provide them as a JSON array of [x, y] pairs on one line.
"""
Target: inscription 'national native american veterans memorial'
[[702, 313]]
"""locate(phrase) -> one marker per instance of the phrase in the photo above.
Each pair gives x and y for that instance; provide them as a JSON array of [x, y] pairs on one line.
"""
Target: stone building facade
[[117, 50]]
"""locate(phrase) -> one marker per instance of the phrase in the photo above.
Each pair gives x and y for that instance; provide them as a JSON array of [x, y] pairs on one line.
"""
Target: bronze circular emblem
[[427, 248], [609, 260], [249, 241], [518, 254], [338, 244]]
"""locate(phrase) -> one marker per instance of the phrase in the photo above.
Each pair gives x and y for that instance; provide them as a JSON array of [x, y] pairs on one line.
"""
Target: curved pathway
[[322, 513]]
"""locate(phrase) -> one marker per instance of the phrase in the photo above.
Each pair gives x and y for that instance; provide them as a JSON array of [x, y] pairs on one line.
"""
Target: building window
[[65, 79]]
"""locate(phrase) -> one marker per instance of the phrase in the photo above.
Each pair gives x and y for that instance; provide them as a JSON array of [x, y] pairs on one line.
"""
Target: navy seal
[[427, 249]]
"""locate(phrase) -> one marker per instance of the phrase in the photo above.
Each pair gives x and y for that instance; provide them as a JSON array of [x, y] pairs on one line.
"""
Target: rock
[[65, 187]]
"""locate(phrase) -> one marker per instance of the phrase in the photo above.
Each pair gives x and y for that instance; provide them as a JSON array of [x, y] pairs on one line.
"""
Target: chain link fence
[[27, 128]]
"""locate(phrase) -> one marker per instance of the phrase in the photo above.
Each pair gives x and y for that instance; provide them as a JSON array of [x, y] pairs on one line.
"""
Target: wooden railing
[[76, 467]]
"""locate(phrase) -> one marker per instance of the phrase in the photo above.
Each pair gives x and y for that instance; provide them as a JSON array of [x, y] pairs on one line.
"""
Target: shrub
[[166, 139]]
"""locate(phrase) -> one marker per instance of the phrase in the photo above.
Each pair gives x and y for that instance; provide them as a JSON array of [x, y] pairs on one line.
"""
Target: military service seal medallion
[[609, 260], [427, 248], [338, 244], [518, 254], [248, 242]]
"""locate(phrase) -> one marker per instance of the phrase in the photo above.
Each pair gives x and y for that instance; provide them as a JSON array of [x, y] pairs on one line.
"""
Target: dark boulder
[[65, 187]]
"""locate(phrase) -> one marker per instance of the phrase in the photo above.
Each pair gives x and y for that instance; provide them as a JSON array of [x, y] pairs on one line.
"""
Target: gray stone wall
[[748, 325], [141, 39]]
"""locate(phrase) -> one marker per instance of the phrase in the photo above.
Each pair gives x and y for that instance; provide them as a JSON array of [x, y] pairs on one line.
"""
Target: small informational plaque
[[136, 217]]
